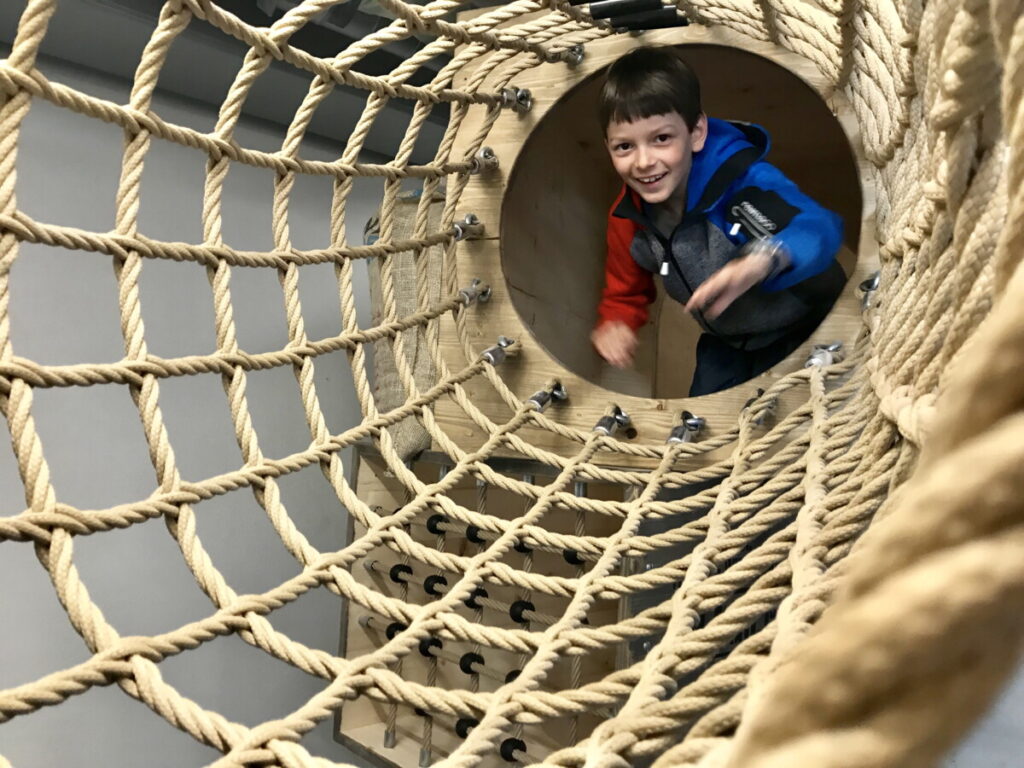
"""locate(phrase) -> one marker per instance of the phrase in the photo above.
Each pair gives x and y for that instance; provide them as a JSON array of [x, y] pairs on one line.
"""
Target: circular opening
[[555, 212]]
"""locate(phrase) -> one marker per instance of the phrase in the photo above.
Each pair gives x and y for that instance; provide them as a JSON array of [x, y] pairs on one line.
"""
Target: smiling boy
[[733, 239]]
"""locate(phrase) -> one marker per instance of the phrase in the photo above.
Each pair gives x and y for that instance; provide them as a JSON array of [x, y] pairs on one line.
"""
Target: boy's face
[[653, 155]]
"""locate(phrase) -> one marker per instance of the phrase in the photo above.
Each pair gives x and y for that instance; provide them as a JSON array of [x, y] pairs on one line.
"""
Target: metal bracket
[[574, 55], [485, 160], [867, 289], [469, 228], [476, 291], [618, 418], [544, 397], [496, 354], [517, 99], [687, 430], [769, 406], [825, 354]]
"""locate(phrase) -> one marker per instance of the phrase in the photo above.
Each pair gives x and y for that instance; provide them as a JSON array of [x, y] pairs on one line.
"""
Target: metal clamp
[[752, 400], [574, 55], [485, 160], [687, 430], [543, 398], [867, 289], [825, 354], [769, 407], [469, 228], [496, 354], [618, 418], [476, 291], [517, 99]]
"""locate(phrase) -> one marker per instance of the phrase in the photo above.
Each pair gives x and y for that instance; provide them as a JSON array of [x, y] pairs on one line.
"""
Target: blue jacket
[[733, 196]]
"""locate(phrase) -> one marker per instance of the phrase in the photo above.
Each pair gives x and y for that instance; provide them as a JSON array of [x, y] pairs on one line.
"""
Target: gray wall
[[64, 310], [997, 742]]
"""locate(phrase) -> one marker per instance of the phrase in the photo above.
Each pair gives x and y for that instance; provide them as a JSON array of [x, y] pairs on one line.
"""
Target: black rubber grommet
[[431, 583], [476, 594], [427, 643], [521, 547], [512, 675], [509, 747], [572, 557], [395, 574], [468, 660], [394, 628], [516, 610], [434, 523], [464, 725], [473, 534]]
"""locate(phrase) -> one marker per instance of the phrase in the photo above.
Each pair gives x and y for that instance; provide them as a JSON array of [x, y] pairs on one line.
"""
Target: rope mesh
[[781, 498]]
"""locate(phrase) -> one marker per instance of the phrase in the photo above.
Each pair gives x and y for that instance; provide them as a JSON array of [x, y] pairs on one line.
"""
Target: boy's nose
[[644, 159]]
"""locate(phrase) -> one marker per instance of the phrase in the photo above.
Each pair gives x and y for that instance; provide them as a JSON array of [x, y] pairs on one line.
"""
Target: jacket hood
[[725, 139]]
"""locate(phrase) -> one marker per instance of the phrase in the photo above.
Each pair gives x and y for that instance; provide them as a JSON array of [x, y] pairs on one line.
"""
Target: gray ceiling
[[109, 35]]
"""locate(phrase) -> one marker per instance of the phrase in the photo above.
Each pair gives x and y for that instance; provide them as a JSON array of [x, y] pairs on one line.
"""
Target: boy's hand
[[715, 294], [615, 342]]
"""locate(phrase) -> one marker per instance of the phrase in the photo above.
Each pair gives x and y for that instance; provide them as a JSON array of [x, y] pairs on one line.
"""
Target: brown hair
[[649, 81]]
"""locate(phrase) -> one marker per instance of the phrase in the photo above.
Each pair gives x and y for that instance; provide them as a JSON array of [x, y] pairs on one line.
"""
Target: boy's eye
[[661, 138], [622, 147]]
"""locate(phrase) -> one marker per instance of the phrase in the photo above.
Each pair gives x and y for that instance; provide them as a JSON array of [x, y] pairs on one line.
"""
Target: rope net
[[924, 618]]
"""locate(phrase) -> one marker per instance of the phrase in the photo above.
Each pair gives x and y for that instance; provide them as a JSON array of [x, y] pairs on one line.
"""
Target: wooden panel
[[545, 245], [361, 724]]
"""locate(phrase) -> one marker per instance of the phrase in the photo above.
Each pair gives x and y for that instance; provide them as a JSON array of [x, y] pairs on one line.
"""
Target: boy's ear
[[699, 134]]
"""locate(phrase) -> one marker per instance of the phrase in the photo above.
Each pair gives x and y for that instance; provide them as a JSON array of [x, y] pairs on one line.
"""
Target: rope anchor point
[[825, 354]]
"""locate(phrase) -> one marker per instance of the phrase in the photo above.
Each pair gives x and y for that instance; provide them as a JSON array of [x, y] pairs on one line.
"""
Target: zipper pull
[[664, 268]]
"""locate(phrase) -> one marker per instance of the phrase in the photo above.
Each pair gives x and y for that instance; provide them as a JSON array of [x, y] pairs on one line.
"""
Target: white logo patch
[[753, 219]]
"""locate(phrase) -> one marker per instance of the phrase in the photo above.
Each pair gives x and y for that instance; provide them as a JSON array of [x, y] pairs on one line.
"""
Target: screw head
[[871, 284], [524, 99]]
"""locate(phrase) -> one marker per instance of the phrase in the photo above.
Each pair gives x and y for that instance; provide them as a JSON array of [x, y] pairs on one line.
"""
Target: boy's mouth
[[651, 180]]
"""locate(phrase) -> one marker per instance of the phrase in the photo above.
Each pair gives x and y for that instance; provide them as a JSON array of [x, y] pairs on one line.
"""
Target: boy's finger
[[720, 304], [702, 299], [696, 301]]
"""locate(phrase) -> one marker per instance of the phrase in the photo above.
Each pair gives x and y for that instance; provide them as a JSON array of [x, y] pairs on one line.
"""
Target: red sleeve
[[628, 288]]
